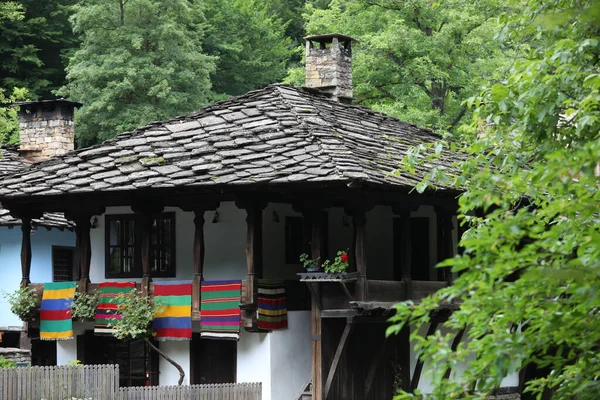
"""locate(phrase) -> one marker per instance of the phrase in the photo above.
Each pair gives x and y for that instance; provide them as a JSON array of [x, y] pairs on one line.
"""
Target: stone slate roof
[[279, 135], [10, 162]]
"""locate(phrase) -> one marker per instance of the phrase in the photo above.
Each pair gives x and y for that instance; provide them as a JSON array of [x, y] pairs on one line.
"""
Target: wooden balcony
[[337, 295]]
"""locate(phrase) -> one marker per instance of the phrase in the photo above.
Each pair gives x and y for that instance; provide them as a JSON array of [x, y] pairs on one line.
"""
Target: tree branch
[[169, 359]]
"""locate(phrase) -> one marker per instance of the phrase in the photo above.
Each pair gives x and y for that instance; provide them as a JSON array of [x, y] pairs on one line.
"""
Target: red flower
[[344, 257]]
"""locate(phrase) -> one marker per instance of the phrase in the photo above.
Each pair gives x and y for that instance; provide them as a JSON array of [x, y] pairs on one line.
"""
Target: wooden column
[[405, 248], [147, 213], [316, 235], [25, 250], [84, 251], [445, 245], [199, 252], [360, 222], [254, 257]]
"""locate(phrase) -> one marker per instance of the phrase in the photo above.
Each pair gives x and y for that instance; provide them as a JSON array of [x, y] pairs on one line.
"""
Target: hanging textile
[[272, 307], [174, 319], [55, 311], [107, 310], [220, 309]]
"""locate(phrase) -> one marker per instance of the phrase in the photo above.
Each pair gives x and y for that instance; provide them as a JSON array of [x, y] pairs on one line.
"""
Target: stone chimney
[[46, 128], [329, 65]]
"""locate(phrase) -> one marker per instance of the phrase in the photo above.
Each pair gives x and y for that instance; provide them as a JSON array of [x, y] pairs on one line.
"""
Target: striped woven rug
[[272, 307], [174, 320], [220, 309], [56, 322], [108, 303]]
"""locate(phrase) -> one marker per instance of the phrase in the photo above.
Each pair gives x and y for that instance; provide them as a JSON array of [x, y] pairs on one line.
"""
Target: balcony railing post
[[83, 242], [445, 243], [405, 247], [148, 211]]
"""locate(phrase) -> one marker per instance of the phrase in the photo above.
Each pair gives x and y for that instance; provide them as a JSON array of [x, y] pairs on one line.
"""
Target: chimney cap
[[61, 101], [329, 36]]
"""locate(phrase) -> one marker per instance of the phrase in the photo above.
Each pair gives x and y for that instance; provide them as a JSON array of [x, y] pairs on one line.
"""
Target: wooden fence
[[101, 382], [59, 383], [226, 391]]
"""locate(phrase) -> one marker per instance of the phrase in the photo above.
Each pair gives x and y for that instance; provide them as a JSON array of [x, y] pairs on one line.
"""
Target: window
[[62, 263], [123, 246]]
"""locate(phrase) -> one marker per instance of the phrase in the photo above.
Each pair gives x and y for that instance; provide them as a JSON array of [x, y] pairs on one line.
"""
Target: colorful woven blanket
[[107, 310], [272, 308], [174, 320], [55, 311], [220, 309]]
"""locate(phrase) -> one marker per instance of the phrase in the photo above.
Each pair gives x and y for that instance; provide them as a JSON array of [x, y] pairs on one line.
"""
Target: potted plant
[[84, 306], [24, 303], [309, 264], [339, 264]]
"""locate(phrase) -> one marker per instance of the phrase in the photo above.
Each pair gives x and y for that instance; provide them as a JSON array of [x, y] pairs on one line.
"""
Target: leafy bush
[[23, 303], [84, 305], [6, 363]]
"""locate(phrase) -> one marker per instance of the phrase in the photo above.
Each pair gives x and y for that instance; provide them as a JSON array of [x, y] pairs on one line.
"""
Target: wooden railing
[[102, 382]]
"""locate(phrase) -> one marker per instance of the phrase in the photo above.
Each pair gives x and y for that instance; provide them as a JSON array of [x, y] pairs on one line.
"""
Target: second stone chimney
[[46, 128], [329, 65]]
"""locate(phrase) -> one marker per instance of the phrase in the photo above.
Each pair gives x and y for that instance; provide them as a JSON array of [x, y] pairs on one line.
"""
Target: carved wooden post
[[25, 251], [199, 252], [253, 252], [405, 248], [84, 251], [360, 222], [147, 211]]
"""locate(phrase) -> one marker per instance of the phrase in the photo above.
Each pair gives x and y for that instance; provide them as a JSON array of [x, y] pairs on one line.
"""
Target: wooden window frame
[[74, 270], [137, 252]]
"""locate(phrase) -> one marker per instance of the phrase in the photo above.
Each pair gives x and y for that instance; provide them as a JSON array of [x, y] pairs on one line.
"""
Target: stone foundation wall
[[21, 357]]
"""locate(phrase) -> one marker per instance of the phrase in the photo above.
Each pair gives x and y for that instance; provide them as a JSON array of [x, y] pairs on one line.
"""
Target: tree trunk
[[170, 360]]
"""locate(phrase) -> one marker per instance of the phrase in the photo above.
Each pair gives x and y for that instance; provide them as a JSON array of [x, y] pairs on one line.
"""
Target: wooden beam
[[338, 354], [444, 239], [199, 251], [25, 251], [414, 384], [254, 259], [455, 343]]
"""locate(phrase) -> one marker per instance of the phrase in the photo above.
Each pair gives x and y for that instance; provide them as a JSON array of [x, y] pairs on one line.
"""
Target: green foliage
[[9, 119], [137, 313], [84, 305], [74, 363], [23, 303], [34, 38], [6, 363], [416, 60], [139, 61], [528, 287], [249, 42]]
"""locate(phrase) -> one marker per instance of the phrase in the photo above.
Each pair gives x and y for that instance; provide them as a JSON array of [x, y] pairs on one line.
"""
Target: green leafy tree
[[137, 313], [417, 59], [250, 45], [9, 118], [139, 61], [35, 37], [529, 276]]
